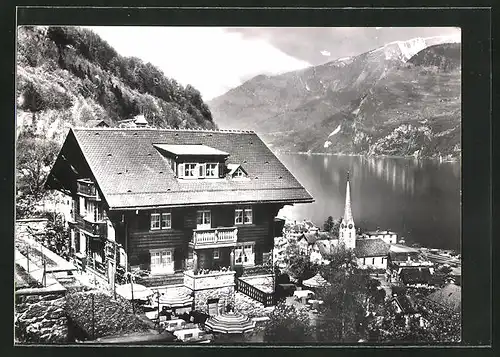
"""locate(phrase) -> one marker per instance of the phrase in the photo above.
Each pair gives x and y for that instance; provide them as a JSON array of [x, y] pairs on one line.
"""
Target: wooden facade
[[140, 239], [113, 220], [133, 234]]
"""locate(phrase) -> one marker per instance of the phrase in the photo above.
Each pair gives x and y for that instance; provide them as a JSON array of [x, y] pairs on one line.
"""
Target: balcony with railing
[[86, 188], [214, 237], [96, 229]]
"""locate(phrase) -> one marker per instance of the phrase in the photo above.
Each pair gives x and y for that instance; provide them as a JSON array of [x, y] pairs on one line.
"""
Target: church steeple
[[347, 207], [347, 232]]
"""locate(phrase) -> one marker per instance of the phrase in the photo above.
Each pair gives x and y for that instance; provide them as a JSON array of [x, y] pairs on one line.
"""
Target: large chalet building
[[171, 203]]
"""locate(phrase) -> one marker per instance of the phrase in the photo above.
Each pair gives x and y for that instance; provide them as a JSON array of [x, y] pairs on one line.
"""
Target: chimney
[[140, 121]]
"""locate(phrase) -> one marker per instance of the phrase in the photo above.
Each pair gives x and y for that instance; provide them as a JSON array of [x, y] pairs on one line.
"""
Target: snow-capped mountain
[[404, 50], [352, 98]]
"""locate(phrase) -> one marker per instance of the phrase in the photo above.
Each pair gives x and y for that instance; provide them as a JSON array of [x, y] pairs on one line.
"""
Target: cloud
[[210, 58], [215, 59], [306, 43]]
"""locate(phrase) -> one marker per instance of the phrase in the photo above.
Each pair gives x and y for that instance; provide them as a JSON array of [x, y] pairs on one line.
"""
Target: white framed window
[[203, 219], [161, 261], [216, 253], [238, 255], [89, 208], [238, 216], [248, 218], [161, 220], [155, 221], [83, 243], [166, 220], [189, 170], [82, 206], [212, 170], [243, 215], [239, 173], [244, 254]]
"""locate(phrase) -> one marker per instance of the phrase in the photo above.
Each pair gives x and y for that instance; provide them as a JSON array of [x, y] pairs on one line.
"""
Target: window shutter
[[180, 170], [221, 167]]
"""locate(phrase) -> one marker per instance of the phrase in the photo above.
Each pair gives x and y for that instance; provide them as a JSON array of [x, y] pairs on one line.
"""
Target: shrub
[[108, 316]]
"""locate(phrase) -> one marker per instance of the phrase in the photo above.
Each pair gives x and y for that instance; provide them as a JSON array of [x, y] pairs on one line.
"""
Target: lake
[[418, 199]]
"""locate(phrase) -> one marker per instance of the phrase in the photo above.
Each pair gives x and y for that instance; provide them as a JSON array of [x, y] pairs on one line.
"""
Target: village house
[[306, 241], [387, 236], [180, 206], [322, 249]]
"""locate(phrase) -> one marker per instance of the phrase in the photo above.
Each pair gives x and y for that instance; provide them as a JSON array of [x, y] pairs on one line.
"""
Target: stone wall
[[41, 319], [224, 294]]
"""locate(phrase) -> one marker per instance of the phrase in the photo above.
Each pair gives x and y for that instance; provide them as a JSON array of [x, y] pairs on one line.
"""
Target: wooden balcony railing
[[87, 188], [97, 229], [265, 298], [214, 237]]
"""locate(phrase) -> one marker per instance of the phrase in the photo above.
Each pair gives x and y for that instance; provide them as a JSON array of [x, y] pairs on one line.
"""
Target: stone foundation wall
[[224, 294], [41, 319]]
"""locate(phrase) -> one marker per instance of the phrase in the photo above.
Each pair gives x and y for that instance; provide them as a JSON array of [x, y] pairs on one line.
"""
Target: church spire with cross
[[347, 232]]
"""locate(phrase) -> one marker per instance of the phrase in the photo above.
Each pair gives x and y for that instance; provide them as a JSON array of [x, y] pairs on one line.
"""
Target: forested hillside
[[67, 76]]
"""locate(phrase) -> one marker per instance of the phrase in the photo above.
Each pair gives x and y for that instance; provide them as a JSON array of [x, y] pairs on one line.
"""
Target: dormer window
[[189, 170], [198, 170], [239, 173], [236, 171], [193, 161], [212, 170]]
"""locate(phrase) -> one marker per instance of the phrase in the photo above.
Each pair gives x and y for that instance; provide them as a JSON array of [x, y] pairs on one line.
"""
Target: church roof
[[371, 248]]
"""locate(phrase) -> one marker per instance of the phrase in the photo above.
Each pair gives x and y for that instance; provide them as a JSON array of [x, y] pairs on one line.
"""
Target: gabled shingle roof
[[310, 238], [132, 173], [449, 297], [371, 248]]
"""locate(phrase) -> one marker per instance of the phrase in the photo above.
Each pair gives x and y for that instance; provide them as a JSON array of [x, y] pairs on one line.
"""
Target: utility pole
[[93, 318], [44, 273], [158, 301], [132, 290], [113, 282]]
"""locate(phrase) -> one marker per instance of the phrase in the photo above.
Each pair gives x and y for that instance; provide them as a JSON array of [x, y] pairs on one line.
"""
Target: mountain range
[[401, 99]]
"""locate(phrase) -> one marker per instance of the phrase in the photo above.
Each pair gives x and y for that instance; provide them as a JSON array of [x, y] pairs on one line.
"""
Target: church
[[370, 252]]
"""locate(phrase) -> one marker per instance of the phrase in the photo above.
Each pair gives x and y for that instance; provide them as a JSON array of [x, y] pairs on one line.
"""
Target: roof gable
[[132, 174]]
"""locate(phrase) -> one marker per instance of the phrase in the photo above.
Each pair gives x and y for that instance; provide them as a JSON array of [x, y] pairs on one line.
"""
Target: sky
[[216, 59]]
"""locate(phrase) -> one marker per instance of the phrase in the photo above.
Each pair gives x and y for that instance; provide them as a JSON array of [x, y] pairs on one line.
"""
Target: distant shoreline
[[364, 155]]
